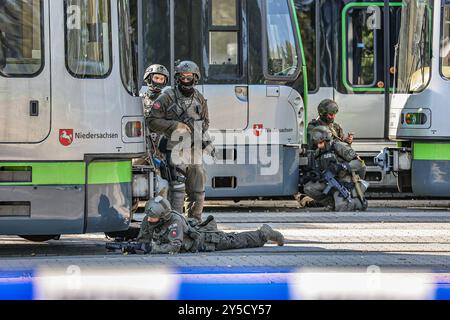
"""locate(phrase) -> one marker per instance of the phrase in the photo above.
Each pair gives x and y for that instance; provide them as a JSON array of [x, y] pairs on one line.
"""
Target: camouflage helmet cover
[[190, 67], [158, 208], [328, 107], [156, 69], [320, 134]]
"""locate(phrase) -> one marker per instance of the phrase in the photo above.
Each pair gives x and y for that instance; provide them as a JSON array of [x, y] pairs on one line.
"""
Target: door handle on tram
[[34, 108], [241, 93]]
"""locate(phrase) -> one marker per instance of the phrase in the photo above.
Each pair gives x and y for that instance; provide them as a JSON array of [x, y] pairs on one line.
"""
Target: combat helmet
[[158, 208], [156, 69], [327, 107], [188, 66], [321, 133]]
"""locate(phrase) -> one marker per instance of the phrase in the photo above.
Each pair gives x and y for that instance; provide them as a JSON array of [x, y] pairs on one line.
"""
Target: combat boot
[[272, 235]]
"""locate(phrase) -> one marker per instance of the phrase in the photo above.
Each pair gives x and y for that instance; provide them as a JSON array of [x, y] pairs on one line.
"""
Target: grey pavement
[[412, 235]]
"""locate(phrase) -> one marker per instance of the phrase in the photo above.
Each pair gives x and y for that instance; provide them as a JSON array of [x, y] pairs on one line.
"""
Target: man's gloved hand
[[182, 128]]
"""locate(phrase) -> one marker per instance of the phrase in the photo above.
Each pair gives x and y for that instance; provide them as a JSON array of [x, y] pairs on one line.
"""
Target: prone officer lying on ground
[[165, 231]]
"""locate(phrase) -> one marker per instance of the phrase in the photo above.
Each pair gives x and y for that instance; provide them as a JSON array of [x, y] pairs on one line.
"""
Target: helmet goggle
[[186, 78]]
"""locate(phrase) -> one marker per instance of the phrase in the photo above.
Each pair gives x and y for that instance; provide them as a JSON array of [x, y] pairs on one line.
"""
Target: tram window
[[21, 38], [128, 43], [224, 43], [306, 13], [88, 38], [224, 48], [282, 57], [445, 43], [361, 49], [156, 27], [224, 13]]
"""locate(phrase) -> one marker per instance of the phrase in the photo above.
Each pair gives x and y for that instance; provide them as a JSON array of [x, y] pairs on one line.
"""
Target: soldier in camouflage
[[156, 77], [341, 160], [328, 109], [165, 231], [179, 112]]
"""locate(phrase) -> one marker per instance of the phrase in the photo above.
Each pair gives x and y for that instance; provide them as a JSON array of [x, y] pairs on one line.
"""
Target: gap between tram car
[[222, 284]]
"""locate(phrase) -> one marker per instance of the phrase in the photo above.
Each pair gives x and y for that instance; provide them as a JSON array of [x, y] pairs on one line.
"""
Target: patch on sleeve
[[174, 232], [157, 105]]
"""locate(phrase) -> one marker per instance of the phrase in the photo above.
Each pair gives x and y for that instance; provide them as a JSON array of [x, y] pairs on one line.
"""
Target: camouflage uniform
[[167, 113], [164, 119], [174, 234], [337, 153], [148, 99], [335, 129]]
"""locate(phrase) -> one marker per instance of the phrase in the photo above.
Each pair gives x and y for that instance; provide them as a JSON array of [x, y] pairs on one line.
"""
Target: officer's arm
[[157, 120], [339, 131], [345, 152], [205, 115], [146, 232], [175, 241]]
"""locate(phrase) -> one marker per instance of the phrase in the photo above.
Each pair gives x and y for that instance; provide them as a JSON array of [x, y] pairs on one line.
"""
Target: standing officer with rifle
[[333, 178], [183, 112]]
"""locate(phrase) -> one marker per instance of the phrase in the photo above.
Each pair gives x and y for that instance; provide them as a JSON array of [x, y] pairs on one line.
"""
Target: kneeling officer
[[165, 231]]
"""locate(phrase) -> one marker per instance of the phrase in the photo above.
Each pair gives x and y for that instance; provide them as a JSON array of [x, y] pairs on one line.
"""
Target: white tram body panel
[[68, 135]]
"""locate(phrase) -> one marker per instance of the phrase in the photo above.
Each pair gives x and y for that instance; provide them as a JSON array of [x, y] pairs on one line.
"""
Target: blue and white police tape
[[220, 284]]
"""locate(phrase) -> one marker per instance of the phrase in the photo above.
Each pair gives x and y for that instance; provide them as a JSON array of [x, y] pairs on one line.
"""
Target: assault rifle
[[129, 247], [332, 183]]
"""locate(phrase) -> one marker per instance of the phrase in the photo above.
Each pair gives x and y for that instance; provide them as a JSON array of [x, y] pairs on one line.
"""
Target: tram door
[[225, 84], [25, 106], [361, 86]]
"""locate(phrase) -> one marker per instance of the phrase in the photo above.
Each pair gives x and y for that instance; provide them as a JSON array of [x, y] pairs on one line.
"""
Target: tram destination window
[[282, 56], [88, 38], [128, 43], [361, 49], [445, 43], [224, 43], [415, 47], [21, 38]]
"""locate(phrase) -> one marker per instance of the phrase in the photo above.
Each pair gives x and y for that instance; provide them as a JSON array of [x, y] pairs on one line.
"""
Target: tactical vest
[[183, 107]]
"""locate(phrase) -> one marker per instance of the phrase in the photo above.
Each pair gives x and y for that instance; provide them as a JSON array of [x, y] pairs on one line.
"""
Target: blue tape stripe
[[17, 285], [204, 284], [221, 291]]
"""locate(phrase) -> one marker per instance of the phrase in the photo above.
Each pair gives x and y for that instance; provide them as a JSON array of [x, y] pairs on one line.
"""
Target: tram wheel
[[41, 238]]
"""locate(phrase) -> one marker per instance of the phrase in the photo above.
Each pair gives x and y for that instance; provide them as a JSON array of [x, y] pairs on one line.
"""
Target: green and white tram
[[419, 107], [70, 116], [344, 48]]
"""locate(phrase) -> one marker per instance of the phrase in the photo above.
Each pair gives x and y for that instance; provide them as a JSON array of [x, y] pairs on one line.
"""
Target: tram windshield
[[414, 50], [282, 50], [21, 42], [128, 42]]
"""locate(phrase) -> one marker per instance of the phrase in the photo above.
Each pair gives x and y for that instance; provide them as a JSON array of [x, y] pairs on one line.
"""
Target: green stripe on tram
[[70, 173], [433, 152], [110, 172]]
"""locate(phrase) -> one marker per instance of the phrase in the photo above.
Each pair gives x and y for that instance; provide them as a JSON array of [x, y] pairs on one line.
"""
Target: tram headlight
[[134, 129], [415, 119]]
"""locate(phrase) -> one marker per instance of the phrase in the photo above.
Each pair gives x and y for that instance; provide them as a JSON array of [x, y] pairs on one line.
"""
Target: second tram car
[[418, 115]]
